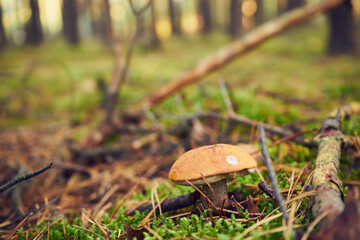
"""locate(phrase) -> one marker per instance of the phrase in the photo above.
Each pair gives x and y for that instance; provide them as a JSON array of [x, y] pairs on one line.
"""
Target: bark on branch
[[347, 111], [24, 177], [239, 47], [329, 192], [182, 201]]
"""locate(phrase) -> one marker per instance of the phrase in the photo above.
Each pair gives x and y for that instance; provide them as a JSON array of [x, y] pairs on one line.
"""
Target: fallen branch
[[239, 47], [347, 111], [266, 189], [287, 135], [244, 120], [329, 194], [181, 201], [347, 224], [171, 204], [24, 177]]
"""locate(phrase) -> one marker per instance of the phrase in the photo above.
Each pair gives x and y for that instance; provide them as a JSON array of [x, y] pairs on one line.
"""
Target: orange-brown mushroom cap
[[214, 162]]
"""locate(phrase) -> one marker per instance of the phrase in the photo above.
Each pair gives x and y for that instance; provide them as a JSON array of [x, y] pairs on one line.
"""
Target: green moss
[[290, 66]]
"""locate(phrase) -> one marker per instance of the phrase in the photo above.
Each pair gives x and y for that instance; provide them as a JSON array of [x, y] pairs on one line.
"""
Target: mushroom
[[215, 163]]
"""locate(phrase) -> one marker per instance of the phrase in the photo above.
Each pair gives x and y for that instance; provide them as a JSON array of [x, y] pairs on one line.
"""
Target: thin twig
[[9, 236], [91, 219], [226, 96], [120, 73], [357, 142], [24, 177], [30, 213], [266, 189], [233, 116], [152, 118], [278, 197], [287, 138]]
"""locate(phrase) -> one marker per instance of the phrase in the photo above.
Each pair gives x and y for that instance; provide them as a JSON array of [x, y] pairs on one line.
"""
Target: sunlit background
[[16, 13]]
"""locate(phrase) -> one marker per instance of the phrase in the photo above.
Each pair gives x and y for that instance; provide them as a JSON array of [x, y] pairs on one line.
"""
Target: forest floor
[[51, 98]]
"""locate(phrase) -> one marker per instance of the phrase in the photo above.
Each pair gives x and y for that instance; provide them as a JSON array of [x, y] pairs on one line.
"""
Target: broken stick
[[329, 193], [182, 201], [239, 47], [24, 177]]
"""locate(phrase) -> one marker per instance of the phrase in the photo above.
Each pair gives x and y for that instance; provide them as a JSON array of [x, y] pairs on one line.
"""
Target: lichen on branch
[[329, 192]]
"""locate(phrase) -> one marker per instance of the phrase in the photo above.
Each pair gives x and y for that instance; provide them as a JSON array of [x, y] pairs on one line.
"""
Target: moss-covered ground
[[286, 80]]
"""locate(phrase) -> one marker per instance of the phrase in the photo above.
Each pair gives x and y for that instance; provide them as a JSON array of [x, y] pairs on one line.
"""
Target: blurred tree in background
[[33, 21], [70, 21], [108, 35], [284, 5], [3, 40], [33, 27], [205, 14], [174, 14], [155, 41], [342, 38], [294, 4], [259, 14], [235, 26]]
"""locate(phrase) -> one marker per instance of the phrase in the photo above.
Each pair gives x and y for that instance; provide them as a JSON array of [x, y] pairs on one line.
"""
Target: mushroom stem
[[220, 189]]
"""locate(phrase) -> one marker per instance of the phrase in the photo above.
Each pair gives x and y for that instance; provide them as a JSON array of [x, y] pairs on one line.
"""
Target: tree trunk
[[155, 42], [108, 23], [259, 14], [3, 40], [281, 6], [292, 4], [342, 30], [205, 13], [235, 26], [91, 9], [33, 27], [70, 25], [174, 13]]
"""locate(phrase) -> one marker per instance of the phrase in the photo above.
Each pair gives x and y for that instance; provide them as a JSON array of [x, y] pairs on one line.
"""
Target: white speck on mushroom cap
[[231, 159]]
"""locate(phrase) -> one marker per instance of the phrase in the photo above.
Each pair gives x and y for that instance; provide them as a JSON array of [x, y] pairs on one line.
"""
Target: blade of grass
[[144, 221], [253, 227], [86, 230], [152, 232], [292, 185], [91, 219], [274, 230], [157, 198], [9, 236]]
